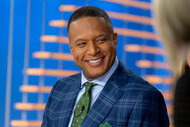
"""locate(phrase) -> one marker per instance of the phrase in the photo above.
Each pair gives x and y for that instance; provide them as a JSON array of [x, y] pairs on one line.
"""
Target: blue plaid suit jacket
[[125, 101]]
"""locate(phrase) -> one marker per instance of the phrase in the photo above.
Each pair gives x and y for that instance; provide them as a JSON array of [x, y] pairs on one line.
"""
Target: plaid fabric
[[125, 101]]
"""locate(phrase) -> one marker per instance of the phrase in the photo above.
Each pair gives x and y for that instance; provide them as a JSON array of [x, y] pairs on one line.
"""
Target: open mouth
[[95, 62]]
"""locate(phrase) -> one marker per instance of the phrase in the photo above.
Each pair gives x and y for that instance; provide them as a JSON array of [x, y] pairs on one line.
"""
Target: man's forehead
[[87, 22]]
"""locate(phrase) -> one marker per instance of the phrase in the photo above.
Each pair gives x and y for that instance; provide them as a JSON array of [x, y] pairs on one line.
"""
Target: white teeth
[[94, 61]]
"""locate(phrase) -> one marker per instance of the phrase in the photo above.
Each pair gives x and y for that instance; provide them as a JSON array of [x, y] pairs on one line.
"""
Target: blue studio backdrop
[[34, 51]]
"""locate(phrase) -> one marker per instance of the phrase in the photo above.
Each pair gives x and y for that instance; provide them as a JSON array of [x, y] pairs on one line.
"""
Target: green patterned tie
[[83, 105]]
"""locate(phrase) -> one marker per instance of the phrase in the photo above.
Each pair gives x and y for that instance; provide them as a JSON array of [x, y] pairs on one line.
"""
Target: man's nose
[[93, 49]]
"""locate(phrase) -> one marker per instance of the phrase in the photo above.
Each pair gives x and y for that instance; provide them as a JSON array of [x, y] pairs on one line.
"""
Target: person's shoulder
[[71, 79], [132, 81], [182, 84], [136, 87], [67, 82], [184, 80]]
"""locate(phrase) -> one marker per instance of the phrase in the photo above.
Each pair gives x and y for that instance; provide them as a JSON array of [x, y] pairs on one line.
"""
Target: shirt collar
[[104, 78]]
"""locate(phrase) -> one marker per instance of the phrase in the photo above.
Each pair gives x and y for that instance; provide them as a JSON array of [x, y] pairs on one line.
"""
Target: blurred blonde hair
[[173, 21]]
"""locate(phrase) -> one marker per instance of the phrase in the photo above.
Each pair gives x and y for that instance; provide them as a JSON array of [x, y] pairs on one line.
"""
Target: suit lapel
[[110, 94]]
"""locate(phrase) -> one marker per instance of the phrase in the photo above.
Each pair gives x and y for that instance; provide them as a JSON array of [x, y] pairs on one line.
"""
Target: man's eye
[[101, 40], [81, 44]]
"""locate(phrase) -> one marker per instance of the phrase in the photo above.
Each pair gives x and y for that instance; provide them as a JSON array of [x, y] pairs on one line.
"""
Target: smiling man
[[93, 45], [105, 93]]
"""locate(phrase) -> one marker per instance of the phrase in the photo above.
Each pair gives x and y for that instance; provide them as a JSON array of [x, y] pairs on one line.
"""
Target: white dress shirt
[[101, 81]]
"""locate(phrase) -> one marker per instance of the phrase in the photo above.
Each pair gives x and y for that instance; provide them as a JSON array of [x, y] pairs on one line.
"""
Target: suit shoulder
[[72, 78], [136, 87], [131, 81], [139, 83], [67, 82]]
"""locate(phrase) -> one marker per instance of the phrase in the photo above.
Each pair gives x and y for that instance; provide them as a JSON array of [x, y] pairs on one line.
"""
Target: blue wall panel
[[41, 14]]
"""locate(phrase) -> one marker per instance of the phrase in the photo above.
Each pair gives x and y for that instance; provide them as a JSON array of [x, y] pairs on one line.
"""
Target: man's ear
[[115, 36], [71, 47]]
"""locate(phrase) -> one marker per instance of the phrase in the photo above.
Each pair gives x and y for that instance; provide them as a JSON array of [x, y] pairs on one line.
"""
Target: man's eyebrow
[[101, 35], [79, 39]]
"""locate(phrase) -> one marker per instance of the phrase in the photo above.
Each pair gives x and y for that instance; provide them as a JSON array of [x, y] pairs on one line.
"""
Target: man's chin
[[93, 76]]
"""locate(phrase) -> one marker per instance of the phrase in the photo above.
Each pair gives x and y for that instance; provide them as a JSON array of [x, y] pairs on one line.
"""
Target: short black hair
[[89, 11]]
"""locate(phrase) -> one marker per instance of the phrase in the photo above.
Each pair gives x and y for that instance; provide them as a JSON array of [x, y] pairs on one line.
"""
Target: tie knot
[[89, 85]]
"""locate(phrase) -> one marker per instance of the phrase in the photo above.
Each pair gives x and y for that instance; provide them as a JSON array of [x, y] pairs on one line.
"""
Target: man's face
[[92, 45]]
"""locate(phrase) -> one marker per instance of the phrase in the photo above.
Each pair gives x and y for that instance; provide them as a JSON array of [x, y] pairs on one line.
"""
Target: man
[[105, 93]]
